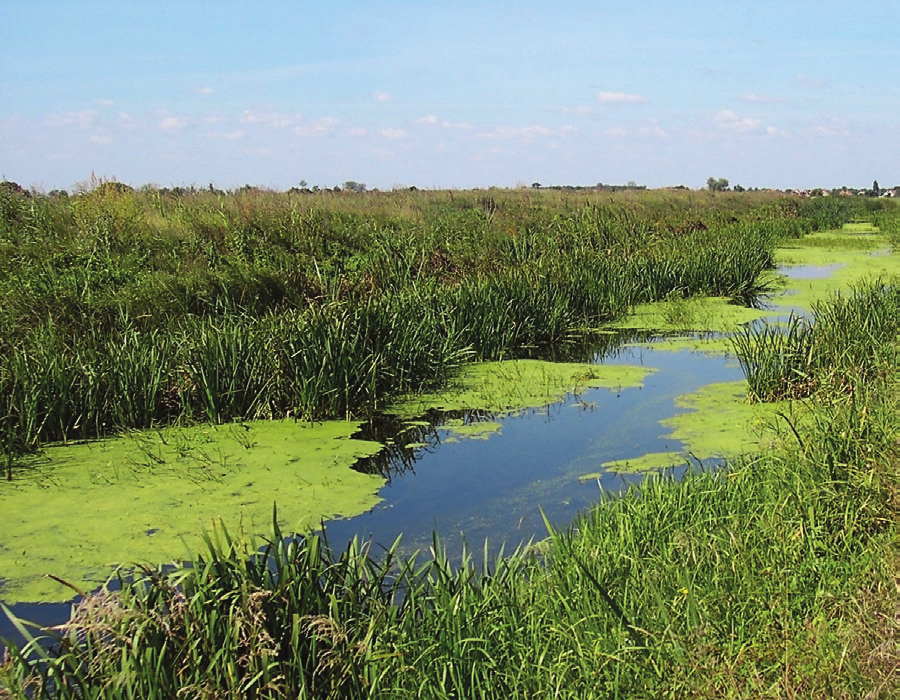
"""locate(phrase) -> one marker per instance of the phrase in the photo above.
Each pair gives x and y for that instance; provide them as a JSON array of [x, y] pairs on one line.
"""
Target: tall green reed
[[849, 337]]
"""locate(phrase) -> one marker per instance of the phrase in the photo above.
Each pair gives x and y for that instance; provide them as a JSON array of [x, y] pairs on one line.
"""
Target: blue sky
[[450, 95]]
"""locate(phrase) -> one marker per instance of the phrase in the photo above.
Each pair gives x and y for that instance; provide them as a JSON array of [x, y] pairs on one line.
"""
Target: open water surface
[[495, 488]]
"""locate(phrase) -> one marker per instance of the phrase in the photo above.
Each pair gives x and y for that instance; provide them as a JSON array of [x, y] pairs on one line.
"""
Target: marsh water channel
[[493, 484]]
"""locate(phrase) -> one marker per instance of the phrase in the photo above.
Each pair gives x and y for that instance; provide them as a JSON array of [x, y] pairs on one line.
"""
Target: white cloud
[[755, 99], [617, 132], [619, 98], [433, 120], [810, 82], [656, 131], [579, 110], [100, 139], [320, 127], [83, 119], [393, 134], [831, 128], [105, 103], [382, 97], [521, 132], [730, 121], [273, 119], [206, 91], [173, 123]]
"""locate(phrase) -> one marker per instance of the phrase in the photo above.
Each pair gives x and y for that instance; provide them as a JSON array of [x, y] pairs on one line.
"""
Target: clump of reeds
[[849, 338]]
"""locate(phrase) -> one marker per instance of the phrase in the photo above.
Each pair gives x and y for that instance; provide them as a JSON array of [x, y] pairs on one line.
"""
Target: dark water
[[495, 489]]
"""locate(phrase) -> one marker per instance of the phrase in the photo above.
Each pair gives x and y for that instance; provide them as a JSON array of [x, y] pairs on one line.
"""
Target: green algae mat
[[507, 387], [80, 510]]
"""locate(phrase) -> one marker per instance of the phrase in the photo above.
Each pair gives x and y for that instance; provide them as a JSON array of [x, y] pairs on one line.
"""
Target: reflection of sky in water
[[809, 272], [495, 488]]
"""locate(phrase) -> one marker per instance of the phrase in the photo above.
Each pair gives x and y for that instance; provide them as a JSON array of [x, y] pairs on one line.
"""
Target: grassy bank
[[773, 578], [124, 309]]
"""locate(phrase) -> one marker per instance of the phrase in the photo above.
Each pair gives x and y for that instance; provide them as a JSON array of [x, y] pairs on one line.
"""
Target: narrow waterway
[[495, 488]]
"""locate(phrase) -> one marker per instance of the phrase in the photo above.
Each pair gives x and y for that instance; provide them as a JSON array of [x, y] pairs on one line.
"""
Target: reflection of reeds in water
[[406, 440]]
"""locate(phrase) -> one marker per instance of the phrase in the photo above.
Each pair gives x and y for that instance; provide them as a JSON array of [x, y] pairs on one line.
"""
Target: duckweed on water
[[147, 497], [696, 314], [718, 423], [159, 490], [514, 385], [855, 257]]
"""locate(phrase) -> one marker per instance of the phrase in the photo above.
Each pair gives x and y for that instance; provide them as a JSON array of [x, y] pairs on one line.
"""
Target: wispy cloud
[[126, 121], [274, 119], [82, 119], [619, 98], [526, 133], [654, 130], [173, 123], [831, 128], [319, 127], [580, 110], [393, 134], [433, 120], [206, 90], [806, 81], [730, 121], [754, 99], [382, 97]]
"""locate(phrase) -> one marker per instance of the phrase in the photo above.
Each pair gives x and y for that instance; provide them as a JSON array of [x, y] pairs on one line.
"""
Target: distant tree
[[354, 186], [535, 185], [876, 190], [111, 188], [10, 187], [717, 185]]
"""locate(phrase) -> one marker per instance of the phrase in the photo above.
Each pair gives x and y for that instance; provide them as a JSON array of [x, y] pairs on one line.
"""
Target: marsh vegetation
[[773, 576]]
